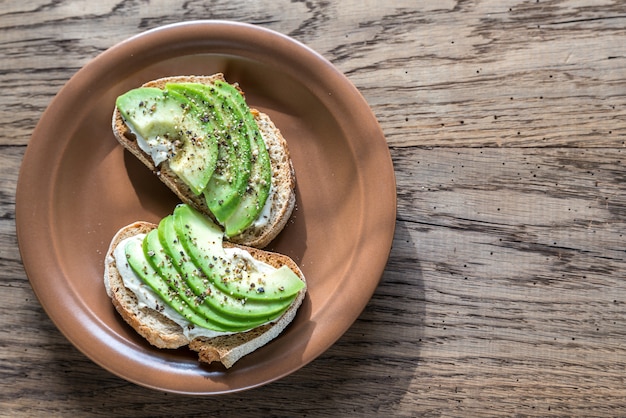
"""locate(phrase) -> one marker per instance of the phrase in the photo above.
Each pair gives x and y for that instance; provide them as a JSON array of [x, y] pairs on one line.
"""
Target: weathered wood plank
[[490, 295], [486, 74], [521, 275], [504, 291]]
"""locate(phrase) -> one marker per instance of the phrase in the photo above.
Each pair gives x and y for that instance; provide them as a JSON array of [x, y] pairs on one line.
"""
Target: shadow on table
[[372, 366]]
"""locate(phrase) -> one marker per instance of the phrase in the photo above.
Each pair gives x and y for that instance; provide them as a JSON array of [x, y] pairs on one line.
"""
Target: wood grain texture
[[504, 293]]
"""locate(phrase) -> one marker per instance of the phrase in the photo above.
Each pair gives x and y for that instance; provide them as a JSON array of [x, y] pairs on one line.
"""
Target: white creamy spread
[[146, 297], [254, 266], [158, 148]]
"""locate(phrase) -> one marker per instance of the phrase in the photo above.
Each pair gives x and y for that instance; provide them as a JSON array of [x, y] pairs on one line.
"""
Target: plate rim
[[24, 215]]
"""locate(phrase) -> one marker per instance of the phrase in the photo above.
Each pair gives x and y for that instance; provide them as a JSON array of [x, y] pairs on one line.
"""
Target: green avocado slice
[[170, 123], [140, 265], [162, 264], [227, 307], [231, 177], [260, 180], [202, 240]]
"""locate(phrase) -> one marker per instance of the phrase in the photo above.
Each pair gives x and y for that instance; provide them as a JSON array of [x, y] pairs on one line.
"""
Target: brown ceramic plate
[[77, 187]]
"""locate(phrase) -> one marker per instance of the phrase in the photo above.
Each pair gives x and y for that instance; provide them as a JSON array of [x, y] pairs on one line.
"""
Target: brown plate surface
[[77, 187]]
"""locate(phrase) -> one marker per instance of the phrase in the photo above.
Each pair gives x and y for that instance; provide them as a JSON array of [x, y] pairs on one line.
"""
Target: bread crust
[[162, 332], [283, 175]]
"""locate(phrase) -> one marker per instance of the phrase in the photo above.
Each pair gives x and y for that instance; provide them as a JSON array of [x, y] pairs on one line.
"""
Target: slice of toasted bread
[[162, 332], [283, 176]]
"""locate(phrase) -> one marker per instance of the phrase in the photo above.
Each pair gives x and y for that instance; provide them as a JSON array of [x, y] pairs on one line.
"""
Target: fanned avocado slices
[[228, 184], [212, 142], [183, 261], [205, 292], [241, 184], [260, 179], [139, 264], [170, 126], [200, 240]]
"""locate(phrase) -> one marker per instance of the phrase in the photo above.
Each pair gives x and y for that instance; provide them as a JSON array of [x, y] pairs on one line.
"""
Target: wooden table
[[504, 293]]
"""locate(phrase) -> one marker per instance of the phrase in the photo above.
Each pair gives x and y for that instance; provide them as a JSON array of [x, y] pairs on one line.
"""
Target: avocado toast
[[199, 277], [228, 161], [177, 284]]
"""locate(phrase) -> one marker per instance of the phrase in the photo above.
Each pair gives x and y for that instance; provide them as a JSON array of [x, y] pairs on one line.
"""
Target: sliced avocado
[[259, 182], [225, 308], [140, 265], [232, 173], [162, 263], [169, 122], [202, 240]]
